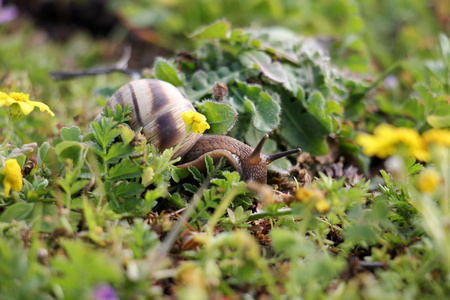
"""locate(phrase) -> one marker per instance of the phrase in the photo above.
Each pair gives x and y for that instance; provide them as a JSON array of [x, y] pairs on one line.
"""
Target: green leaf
[[69, 150], [105, 131], [127, 189], [273, 70], [267, 113], [196, 174], [166, 72], [78, 186], [220, 116], [42, 154], [18, 211], [217, 30], [117, 151], [291, 243], [444, 44], [439, 121], [124, 170], [303, 131], [70, 133]]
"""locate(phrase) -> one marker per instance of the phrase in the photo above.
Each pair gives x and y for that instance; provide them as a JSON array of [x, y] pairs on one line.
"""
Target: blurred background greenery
[[364, 37]]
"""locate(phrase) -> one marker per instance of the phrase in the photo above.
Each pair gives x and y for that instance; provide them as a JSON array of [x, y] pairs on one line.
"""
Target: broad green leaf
[[166, 72], [70, 133], [125, 169], [18, 211], [69, 150], [301, 129], [439, 121], [217, 30], [444, 44], [220, 116], [273, 70], [316, 107], [239, 35], [267, 113]]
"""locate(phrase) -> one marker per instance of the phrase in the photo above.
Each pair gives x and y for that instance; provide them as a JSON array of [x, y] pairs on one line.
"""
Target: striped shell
[[157, 108]]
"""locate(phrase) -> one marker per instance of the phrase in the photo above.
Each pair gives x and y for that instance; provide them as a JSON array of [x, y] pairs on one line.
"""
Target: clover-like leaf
[[220, 116]]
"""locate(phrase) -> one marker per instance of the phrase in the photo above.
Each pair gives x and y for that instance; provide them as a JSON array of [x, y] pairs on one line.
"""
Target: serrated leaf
[[117, 151], [78, 185], [70, 133], [125, 169], [127, 189], [273, 70], [196, 174], [217, 30], [166, 72], [190, 188], [220, 116], [105, 131]]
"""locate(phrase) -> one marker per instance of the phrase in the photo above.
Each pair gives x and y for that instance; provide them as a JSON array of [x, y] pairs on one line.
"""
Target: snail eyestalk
[[255, 157], [272, 157]]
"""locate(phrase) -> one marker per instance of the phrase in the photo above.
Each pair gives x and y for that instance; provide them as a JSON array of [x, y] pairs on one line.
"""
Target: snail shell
[[157, 108]]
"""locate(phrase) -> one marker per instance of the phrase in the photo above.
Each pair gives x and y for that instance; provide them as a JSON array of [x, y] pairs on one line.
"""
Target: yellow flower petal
[[42, 107], [23, 100], [428, 181], [196, 120], [188, 117], [25, 107], [437, 136], [322, 205], [13, 176]]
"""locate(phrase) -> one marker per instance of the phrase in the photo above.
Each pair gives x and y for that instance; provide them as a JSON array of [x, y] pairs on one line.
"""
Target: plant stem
[[8, 135], [266, 214]]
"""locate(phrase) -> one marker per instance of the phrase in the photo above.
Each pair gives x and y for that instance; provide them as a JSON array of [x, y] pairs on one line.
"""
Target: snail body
[[157, 107]]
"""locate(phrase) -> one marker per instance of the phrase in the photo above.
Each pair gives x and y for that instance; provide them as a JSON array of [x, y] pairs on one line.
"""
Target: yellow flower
[[437, 136], [305, 195], [428, 181], [386, 138], [24, 102], [13, 176], [196, 121], [322, 205]]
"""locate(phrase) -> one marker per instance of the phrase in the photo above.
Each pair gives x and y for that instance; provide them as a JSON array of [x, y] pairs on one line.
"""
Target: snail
[[157, 108]]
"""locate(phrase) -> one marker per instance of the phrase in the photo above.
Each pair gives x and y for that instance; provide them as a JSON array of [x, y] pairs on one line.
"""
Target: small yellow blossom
[[428, 181], [24, 102], [437, 136], [386, 138], [196, 120], [304, 195], [13, 176], [322, 205]]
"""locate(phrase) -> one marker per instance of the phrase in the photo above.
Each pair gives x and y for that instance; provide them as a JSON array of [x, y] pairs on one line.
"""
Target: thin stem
[[267, 214], [8, 135]]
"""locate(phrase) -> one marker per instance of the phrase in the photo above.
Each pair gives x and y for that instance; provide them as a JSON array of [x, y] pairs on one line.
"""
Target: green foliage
[[97, 209], [273, 76]]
